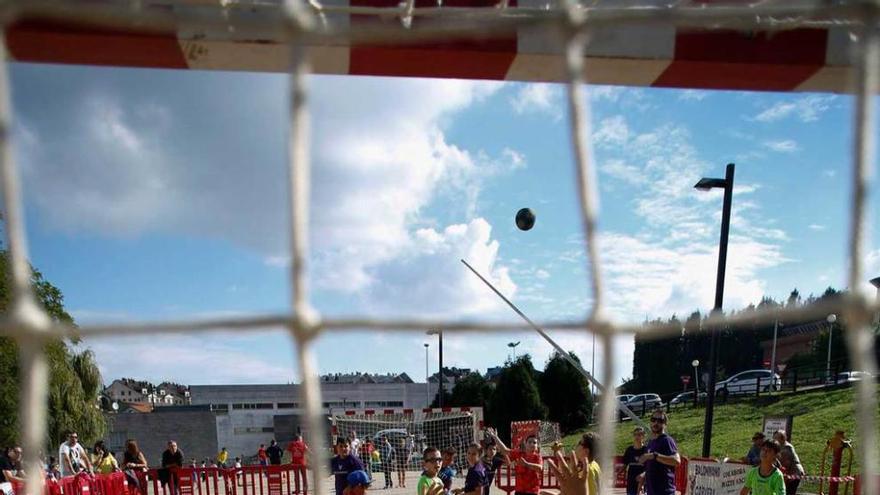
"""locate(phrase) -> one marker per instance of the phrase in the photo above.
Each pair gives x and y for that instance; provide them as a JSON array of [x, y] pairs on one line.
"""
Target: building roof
[[366, 378], [135, 407]]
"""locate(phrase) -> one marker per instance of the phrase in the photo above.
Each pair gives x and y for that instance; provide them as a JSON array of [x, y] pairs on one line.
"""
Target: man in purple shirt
[[661, 459], [343, 464]]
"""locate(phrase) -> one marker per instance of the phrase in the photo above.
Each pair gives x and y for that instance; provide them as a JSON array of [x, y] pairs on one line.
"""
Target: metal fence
[[301, 22]]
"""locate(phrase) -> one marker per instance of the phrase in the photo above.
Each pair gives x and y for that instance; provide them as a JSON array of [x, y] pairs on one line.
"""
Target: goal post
[[547, 433]]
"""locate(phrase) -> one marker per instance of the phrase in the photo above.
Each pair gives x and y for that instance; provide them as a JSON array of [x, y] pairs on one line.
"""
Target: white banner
[[715, 478]]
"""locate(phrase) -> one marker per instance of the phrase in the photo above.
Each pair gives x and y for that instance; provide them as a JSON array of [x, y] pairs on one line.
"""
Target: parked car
[[644, 403], [850, 376], [686, 398], [748, 382]]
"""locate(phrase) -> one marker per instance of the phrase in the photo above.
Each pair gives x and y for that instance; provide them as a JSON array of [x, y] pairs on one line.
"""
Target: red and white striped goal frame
[[805, 59]]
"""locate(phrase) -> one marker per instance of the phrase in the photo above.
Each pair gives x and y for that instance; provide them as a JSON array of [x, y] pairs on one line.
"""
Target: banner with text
[[708, 477]]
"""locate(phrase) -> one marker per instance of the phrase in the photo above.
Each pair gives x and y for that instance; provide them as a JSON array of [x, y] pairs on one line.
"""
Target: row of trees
[[74, 379], [658, 364], [558, 393]]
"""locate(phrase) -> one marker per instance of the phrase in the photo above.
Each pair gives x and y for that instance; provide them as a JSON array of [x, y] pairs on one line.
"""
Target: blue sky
[[161, 195]]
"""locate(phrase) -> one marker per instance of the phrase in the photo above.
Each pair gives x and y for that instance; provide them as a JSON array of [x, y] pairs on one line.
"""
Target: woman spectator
[[790, 462], [133, 464], [102, 460]]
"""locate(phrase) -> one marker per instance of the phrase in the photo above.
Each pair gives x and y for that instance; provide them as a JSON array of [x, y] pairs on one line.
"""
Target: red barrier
[[506, 480], [280, 480]]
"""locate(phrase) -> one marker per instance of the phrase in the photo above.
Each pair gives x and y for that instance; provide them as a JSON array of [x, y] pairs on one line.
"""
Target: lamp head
[[706, 184]]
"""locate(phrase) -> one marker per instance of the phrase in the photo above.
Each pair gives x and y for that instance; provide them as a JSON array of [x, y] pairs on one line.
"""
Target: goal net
[[409, 432], [851, 27]]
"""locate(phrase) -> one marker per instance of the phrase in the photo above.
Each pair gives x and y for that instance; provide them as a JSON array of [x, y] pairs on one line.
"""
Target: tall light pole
[[593, 365], [830, 319], [439, 334], [427, 382], [706, 184], [773, 352], [513, 345], [696, 364]]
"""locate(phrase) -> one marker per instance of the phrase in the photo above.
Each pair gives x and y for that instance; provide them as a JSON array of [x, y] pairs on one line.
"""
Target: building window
[[253, 405], [243, 430], [288, 405], [220, 407], [380, 403], [349, 404]]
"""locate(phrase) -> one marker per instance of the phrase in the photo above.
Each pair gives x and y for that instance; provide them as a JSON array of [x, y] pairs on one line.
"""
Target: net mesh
[[410, 433], [547, 433], [299, 23]]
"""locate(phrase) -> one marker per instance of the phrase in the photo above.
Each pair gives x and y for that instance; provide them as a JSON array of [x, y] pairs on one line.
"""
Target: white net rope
[[300, 24]]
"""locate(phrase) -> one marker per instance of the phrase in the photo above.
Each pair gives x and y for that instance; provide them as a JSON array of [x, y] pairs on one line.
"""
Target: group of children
[[483, 463]]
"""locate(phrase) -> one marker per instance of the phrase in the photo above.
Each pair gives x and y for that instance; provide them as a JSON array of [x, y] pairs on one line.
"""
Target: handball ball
[[525, 219]]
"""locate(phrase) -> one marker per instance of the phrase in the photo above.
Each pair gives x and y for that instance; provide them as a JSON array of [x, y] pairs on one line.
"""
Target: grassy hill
[[816, 416]]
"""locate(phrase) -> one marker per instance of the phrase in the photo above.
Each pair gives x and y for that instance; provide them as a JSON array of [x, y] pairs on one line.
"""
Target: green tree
[[516, 396], [471, 390], [565, 392], [74, 379]]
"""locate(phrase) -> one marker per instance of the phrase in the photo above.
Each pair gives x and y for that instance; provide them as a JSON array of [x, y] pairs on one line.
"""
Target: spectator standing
[[386, 457], [275, 453], [753, 457], [72, 456], [476, 479], [262, 457], [102, 460], [790, 462], [298, 450], [355, 443], [222, 457], [367, 449], [401, 459], [172, 460], [343, 464], [765, 479], [661, 458], [528, 465], [585, 452], [492, 461], [133, 463], [447, 471], [631, 463]]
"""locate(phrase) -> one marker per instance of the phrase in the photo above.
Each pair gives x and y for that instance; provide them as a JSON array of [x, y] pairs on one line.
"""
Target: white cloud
[[516, 159], [782, 146], [816, 227], [693, 95], [806, 109], [542, 274], [539, 98], [606, 93], [116, 162], [611, 132]]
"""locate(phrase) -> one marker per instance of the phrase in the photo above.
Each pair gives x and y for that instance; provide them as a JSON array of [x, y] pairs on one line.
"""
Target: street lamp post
[[441, 389], [696, 364], [512, 346], [427, 382], [830, 319], [706, 184], [773, 352]]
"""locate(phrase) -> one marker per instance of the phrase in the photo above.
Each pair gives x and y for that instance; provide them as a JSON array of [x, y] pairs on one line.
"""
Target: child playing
[[343, 464], [586, 453], [447, 472], [491, 461], [476, 479], [765, 478], [429, 483], [358, 482], [529, 465]]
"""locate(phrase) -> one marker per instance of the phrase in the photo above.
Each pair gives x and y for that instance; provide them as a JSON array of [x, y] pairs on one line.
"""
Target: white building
[[247, 413]]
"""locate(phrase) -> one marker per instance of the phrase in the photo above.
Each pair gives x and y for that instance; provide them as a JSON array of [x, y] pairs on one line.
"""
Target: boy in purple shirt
[[661, 459], [343, 464]]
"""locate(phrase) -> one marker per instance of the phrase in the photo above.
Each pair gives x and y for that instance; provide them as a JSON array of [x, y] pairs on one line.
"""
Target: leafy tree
[[565, 392], [516, 396], [74, 379]]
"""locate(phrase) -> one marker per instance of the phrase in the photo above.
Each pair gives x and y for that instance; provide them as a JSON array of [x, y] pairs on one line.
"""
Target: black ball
[[525, 219]]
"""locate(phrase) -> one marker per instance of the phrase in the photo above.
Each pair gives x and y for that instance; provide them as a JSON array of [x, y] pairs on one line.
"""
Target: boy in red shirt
[[528, 465], [298, 450]]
